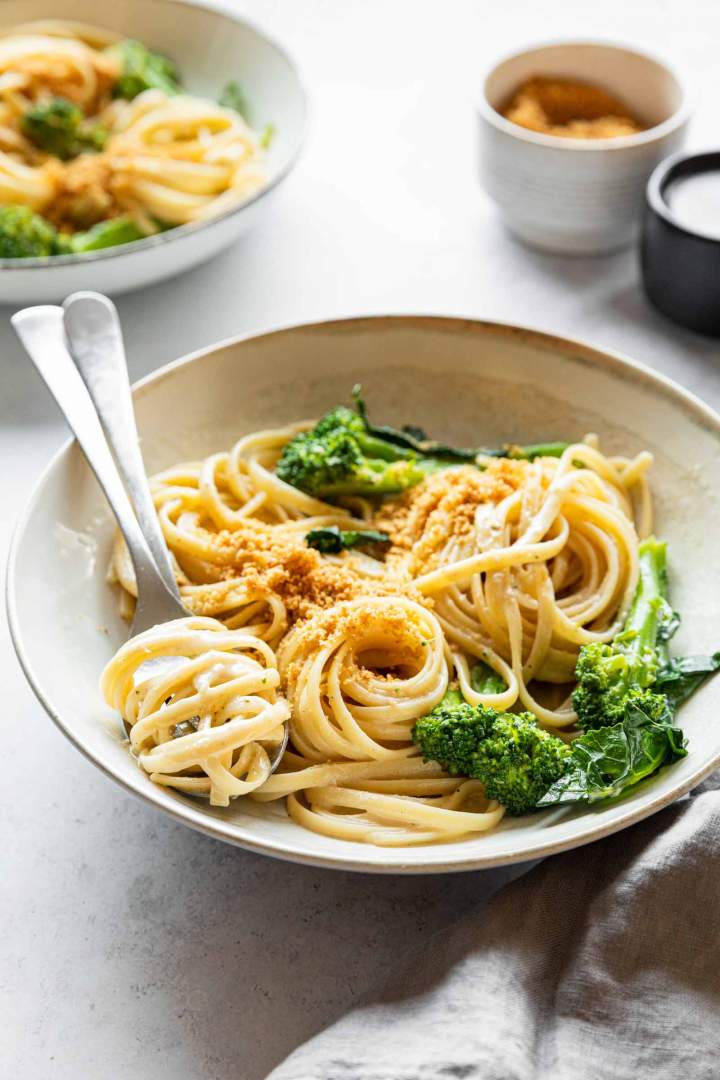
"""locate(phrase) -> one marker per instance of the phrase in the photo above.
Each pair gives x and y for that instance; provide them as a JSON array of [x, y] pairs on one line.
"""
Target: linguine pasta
[[516, 563]]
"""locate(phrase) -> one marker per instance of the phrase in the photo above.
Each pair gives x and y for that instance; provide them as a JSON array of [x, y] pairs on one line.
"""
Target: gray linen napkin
[[600, 963]]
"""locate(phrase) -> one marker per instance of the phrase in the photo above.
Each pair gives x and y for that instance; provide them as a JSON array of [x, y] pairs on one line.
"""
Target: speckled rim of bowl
[[177, 232], [192, 818], [618, 142], [660, 178]]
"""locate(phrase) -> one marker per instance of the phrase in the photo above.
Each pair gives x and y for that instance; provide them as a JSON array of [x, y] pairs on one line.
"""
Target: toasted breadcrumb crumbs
[[274, 559], [43, 80], [258, 560], [94, 187], [443, 507], [84, 194], [391, 632]]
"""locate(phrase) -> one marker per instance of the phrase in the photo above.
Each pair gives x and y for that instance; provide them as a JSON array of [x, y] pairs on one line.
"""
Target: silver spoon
[[94, 337], [42, 332]]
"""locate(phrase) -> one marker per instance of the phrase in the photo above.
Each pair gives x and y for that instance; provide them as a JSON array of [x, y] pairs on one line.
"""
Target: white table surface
[[129, 946]]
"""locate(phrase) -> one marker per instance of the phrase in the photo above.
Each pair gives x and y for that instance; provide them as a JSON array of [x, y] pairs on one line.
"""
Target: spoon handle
[[95, 340], [40, 329]]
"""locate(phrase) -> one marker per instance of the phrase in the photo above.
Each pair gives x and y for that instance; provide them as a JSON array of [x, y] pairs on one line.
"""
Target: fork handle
[[95, 341]]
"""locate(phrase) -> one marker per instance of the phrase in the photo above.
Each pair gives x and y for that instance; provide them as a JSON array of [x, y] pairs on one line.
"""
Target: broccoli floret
[[331, 540], [24, 234], [515, 759], [518, 762], [59, 127], [339, 457], [340, 419], [612, 677], [142, 70], [452, 733]]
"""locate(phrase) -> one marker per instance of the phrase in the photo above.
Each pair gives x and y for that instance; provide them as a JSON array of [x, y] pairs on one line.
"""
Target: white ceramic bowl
[[579, 196], [467, 381], [210, 49]]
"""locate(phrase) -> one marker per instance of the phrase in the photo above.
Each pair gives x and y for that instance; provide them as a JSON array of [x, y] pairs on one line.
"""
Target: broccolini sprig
[[344, 454], [612, 677]]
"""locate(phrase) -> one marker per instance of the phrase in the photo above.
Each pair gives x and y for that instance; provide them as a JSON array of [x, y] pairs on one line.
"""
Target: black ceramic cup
[[680, 260]]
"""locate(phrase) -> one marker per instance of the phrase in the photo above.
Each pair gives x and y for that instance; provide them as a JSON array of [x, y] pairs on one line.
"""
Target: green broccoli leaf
[[331, 540], [142, 70], [484, 680], [682, 676], [233, 97], [606, 761]]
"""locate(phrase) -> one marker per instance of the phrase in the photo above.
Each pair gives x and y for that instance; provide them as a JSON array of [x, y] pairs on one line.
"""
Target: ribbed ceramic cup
[[579, 196]]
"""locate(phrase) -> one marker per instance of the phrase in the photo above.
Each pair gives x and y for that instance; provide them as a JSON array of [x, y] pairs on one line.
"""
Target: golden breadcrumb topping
[[258, 560], [85, 193], [443, 508], [396, 639], [275, 559]]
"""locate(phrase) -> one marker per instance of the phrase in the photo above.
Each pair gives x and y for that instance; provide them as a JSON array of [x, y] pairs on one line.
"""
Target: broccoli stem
[[374, 447], [649, 610], [529, 452], [414, 439], [484, 680]]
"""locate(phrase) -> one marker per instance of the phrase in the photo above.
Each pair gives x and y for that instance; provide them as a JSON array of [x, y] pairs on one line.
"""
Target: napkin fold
[[603, 962]]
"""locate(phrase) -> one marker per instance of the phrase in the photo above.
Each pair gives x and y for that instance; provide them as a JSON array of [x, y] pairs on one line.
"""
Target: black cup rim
[[682, 164]]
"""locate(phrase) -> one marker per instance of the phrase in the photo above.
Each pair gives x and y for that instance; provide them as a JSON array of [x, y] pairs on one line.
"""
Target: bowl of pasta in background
[[210, 49], [468, 383]]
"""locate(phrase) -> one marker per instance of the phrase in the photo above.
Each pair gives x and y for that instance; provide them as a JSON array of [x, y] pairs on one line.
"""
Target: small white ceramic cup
[[579, 196]]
